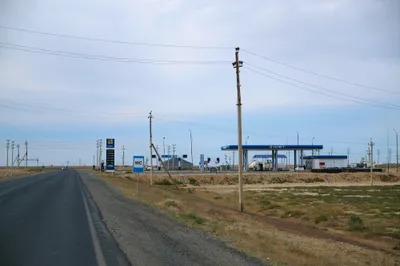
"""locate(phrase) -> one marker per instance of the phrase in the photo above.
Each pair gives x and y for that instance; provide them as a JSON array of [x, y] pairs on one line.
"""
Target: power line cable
[[67, 112], [321, 88], [319, 75], [38, 50], [319, 92], [113, 41]]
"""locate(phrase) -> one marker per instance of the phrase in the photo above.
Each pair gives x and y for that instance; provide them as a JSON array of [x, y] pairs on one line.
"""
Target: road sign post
[[110, 155], [137, 168]]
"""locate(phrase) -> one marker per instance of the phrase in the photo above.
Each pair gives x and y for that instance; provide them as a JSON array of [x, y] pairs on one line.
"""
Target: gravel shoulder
[[149, 237]]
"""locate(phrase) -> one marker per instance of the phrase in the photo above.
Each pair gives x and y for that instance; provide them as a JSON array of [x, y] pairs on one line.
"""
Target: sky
[[72, 72]]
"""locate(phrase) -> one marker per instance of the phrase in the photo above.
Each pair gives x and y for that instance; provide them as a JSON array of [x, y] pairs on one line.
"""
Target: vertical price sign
[[110, 155]]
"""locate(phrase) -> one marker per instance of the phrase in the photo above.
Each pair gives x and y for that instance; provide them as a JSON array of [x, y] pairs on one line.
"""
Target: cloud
[[336, 38]]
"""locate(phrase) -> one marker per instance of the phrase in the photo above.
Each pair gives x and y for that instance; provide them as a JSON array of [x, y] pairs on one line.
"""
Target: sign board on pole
[[110, 160], [110, 143], [138, 164]]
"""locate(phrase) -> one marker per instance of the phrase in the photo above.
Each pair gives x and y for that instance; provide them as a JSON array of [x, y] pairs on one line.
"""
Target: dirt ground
[[284, 222], [10, 173]]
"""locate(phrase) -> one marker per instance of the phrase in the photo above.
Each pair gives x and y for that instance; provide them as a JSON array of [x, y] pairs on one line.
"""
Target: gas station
[[275, 149]]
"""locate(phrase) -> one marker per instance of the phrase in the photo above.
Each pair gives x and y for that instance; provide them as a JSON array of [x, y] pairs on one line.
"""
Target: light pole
[[298, 152], [397, 151], [312, 143], [247, 140], [191, 147], [163, 143], [237, 64]]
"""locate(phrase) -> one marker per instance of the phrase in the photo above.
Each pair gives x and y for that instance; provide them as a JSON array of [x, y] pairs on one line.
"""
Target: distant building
[[325, 161], [175, 163]]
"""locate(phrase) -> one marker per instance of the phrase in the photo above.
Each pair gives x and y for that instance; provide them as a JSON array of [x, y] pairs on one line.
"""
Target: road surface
[[50, 219], [75, 218]]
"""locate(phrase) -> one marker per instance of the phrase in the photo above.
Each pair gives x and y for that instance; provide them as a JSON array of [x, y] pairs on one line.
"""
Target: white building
[[325, 161]]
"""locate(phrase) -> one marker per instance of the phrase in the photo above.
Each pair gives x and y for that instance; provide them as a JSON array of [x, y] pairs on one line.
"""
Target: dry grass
[[254, 234], [9, 173]]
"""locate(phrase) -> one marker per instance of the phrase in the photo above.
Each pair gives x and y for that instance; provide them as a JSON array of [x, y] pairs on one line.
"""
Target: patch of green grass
[[355, 223], [320, 219], [265, 204], [194, 218]]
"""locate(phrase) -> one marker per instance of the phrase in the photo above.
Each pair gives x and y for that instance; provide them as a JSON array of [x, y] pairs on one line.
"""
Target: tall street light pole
[[397, 151], [247, 140], [191, 147], [237, 64], [312, 143], [163, 143], [298, 151]]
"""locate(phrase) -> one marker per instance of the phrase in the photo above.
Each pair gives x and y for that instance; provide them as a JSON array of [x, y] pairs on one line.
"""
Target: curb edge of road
[[100, 231]]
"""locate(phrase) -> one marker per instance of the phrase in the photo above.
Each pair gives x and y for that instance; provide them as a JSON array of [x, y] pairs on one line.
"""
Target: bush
[[171, 203], [163, 182], [320, 219], [355, 223], [193, 181]]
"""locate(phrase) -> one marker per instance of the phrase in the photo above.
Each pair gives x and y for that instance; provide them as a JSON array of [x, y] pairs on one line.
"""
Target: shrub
[[163, 182], [355, 223], [320, 219], [193, 181], [171, 203]]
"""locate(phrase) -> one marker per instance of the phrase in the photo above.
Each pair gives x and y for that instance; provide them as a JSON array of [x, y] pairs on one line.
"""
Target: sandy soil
[[275, 241]]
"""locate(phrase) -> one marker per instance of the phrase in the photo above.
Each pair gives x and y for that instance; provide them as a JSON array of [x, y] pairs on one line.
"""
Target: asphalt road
[[51, 219], [75, 218]]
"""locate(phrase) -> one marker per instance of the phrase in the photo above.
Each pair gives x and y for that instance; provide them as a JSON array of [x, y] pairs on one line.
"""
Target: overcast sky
[[61, 105]]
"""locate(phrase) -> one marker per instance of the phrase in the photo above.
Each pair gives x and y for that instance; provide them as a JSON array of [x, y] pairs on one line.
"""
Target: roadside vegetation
[[288, 225]]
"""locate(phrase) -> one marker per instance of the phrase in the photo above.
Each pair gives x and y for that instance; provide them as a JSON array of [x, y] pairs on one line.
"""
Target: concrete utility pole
[[379, 153], [163, 143], [151, 148], [237, 64], [8, 148], [169, 152], [397, 150], [388, 152], [26, 154], [123, 156], [233, 160], [298, 151], [94, 160], [100, 151], [348, 157], [173, 155], [97, 153], [18, 155], [312, 143], [12, 153], [191, 147], [371, 159]]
